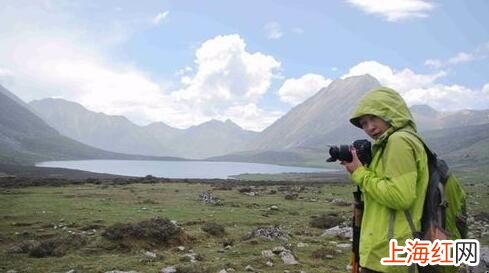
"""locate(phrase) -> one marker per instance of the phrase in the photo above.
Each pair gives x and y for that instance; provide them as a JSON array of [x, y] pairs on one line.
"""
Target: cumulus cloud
[[424, 88], [294, 91], [226, 77], [160, 17], [273, 31], [395, 10]]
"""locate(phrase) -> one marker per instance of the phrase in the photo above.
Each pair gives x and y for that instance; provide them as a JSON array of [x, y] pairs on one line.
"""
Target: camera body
[[343, 153]]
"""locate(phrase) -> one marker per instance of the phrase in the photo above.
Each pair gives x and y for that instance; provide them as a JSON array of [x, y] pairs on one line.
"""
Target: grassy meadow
[[75, 217]]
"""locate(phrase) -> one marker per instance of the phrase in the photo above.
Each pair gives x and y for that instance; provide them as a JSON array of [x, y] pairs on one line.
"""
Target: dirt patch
[[156, 231]]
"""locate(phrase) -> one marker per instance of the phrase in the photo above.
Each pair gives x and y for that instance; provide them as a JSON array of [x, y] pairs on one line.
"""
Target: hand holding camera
[[352, 156]]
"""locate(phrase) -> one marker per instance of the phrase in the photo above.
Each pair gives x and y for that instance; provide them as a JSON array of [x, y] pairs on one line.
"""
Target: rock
[[270, 264], [274, 207], [149, 254], [71, 271], [223, 271], [267, 254], [301, 245], [170, 269], [279, 249], [249, 268], [118, 271], [11, 271], [268, 233], [337, 231], [181, 248], [344, 245], [288, 258]]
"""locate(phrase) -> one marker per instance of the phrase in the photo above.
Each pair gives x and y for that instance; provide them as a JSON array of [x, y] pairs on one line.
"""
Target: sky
[[187, 62]]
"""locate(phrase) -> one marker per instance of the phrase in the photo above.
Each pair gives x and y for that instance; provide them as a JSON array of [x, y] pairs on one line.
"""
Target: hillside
[[118, 134], [25, 138]]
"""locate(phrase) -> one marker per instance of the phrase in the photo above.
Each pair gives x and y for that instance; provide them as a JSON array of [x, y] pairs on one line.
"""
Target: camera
[[343, 153]]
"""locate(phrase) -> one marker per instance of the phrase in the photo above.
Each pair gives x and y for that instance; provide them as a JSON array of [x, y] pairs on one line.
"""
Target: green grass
[[32, 213]]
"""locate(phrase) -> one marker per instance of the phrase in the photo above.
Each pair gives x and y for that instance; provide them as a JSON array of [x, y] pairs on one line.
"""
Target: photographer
[[394, 181]]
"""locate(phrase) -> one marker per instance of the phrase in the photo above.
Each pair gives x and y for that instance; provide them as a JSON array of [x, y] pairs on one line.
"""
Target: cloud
[[160, 18], [295, 91], [479, 53], [273, 31], [395, 10], [226, 77], [424, 88]]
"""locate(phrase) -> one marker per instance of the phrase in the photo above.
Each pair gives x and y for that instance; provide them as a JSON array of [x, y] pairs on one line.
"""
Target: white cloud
[[295, 91], [273, 31], [479, 53], [401, 80], [227, 77], [423, 88], [160, 17], [395, 10]]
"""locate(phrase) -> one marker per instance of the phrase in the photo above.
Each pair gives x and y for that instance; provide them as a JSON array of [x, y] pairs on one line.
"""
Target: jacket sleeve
[[396, 188]]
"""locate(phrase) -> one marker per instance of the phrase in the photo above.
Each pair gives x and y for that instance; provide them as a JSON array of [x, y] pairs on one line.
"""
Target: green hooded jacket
[[396, 180]]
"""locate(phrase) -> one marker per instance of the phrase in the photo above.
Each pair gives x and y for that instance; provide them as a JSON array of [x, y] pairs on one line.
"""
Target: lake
[[176, 169]]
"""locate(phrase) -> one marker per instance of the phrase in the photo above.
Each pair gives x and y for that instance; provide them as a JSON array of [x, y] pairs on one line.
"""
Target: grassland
[[77, 215]]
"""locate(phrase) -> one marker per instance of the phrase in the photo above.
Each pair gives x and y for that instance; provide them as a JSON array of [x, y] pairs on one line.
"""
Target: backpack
[[444, 211]]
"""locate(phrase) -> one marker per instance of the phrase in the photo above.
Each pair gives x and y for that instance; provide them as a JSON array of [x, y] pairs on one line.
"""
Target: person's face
[[373, 126]]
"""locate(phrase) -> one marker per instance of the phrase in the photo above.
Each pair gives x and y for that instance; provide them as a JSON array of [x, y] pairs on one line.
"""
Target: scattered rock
[[181, 248], [288, 258], [208, 198], [268, 233], [274, 207], [118, 271], [346, 245], [340, 232], [279, 249], [270, 264], [267, 254], [302, 245], [170, 269], [249, 268]]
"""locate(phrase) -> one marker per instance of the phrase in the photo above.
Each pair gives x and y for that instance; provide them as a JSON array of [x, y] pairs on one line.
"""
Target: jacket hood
[[386, 104]]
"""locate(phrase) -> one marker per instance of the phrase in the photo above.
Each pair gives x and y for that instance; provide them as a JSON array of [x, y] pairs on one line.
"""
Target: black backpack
[[444, 212]]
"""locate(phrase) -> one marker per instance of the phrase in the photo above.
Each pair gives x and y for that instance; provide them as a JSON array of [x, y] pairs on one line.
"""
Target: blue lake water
[[176, 169]]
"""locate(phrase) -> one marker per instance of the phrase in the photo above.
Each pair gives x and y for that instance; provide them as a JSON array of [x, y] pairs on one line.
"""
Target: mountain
[[320, 120], [464, 145], [25, 138], [118, 134], [428, 118], [112, 133], [212, 138]]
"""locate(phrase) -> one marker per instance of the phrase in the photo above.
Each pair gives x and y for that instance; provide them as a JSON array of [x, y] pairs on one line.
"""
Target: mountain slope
[[212, 138], [26, 139], [320, 120], [118, 134], [428, 118], [113, 133]]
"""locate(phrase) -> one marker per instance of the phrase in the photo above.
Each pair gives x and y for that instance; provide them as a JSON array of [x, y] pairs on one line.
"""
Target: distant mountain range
[[25, 138], [300, 137], [118, 134]]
